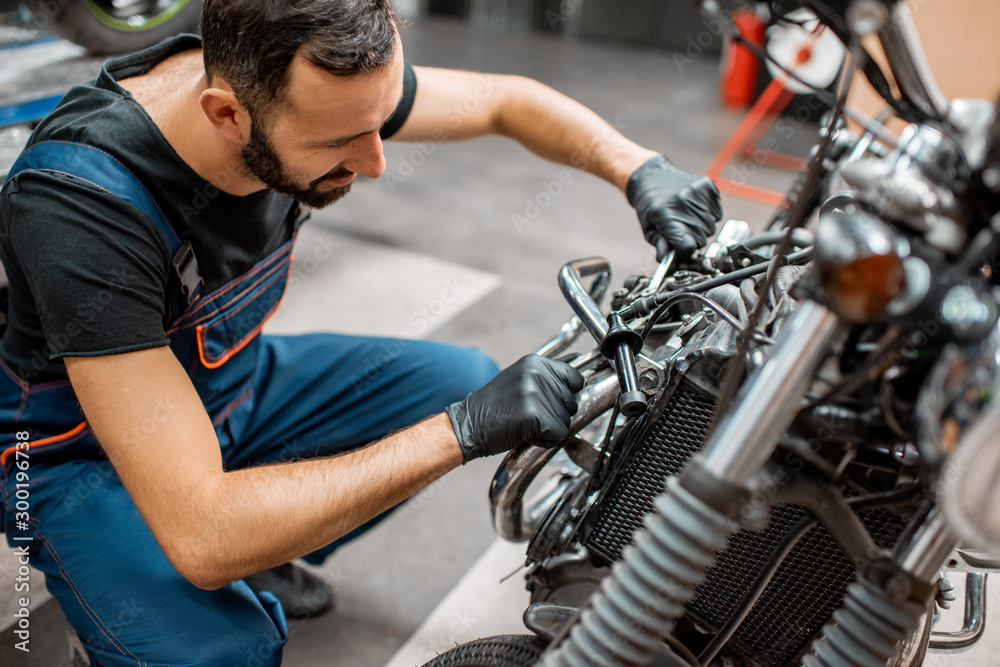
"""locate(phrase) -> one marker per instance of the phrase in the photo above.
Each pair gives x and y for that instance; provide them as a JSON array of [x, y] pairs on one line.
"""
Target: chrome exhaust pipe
[[524, 462]]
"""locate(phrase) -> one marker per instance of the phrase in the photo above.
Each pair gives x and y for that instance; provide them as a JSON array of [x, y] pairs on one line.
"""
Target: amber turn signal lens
[[859, 259], [862, 289]]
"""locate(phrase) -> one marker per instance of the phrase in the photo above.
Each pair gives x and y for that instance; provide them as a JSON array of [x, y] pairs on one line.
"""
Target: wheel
[[499, 651], [115, 26]]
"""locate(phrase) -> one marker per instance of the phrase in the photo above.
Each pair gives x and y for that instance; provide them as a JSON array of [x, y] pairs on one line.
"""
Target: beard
[[262, 161]]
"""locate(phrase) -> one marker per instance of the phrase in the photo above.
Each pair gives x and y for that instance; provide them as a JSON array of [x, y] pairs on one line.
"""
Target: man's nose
[[368, 159]]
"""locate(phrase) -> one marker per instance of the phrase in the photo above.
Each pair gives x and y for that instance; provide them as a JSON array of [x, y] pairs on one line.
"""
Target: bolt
[[745, 261], [648, 380]]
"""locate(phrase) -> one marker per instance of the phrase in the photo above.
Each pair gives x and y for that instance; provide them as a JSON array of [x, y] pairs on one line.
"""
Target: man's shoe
[[301, 593]]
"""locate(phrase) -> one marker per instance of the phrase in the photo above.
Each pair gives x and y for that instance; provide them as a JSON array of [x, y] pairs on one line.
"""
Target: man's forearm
[[263, 516], [560, 129]]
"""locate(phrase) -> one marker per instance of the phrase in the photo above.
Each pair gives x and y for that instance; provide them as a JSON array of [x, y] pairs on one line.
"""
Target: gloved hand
[[675, 208], [529, 400]]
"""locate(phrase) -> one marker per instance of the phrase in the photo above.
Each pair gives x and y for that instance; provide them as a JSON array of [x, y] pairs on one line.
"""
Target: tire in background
[[499, 651], [102, 30]]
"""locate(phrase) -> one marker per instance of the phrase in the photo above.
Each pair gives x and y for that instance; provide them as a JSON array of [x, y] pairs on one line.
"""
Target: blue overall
[[270, 398]]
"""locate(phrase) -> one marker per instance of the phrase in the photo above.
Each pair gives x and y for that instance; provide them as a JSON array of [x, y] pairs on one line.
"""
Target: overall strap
[[101, 169]]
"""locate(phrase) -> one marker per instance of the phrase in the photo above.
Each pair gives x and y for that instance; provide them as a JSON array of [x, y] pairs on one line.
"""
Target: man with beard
[[178, 460]]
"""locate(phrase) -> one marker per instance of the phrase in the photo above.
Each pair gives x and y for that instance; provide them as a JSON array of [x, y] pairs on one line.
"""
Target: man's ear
[[225, 112]]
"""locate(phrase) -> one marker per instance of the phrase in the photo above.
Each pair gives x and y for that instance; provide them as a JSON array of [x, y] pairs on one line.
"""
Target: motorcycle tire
[[498, 651], [103, 29]]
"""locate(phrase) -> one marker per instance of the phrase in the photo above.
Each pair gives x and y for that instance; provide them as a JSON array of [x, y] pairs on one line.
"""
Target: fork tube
[[767, 404]]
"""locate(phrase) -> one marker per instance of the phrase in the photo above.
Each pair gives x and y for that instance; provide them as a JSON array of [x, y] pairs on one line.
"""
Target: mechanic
[[146, 232]]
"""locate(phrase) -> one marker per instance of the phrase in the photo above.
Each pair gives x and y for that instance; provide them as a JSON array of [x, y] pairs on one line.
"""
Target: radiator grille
[[808, 586], [676, 436]]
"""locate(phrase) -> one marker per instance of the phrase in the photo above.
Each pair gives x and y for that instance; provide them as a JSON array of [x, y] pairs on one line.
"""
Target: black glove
[[530, 400], [675, 208]]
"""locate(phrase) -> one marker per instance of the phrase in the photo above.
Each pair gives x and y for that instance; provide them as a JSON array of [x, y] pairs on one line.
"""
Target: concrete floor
[[446, 213]]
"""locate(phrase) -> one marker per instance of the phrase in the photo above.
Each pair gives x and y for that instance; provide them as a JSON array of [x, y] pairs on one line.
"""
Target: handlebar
[[570, 282], [569, 331]]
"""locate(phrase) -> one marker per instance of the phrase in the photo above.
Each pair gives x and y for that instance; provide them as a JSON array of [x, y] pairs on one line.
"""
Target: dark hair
[[250, 43]]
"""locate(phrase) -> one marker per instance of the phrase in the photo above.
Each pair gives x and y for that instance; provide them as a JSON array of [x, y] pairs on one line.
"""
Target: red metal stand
[[744, 141]]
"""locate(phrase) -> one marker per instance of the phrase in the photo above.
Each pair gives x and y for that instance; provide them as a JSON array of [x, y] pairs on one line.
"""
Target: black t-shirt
[[88, 272]]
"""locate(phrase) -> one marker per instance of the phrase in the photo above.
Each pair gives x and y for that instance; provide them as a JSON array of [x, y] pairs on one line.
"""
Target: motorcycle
[[785, 442], [107, 27]]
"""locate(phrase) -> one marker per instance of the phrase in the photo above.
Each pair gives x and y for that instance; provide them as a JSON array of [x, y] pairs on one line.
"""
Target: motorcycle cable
[[605, 459], [609, 447], [797, 217], [903, 496], [723, 314], [644, 306]]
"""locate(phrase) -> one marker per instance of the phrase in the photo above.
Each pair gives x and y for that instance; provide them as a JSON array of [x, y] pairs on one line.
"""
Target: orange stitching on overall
[[214, 313], [75, 431], [230, 352], [262, 264], [38, 449], [236, 282], [246, 303], [104, 629]]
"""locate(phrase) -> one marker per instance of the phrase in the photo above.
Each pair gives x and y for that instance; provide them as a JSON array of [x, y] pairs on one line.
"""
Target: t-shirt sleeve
[[95, 266], [405, 105]]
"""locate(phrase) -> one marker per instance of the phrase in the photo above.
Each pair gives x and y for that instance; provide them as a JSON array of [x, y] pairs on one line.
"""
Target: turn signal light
[[861, 290], [860, 261]]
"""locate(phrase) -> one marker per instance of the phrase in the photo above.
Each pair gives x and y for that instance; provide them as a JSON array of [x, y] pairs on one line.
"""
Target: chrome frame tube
[[769, 401], [909, 65], [925, 555], [520, 467], [569, 332], [974, 623], [512, 478], [580, 300]]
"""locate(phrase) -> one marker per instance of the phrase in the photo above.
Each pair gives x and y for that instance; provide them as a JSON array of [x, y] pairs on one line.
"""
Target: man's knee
[[237, 628], [225, 645], [461, 372]]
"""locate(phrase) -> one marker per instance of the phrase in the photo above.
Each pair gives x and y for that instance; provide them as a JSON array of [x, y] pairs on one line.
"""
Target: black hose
[[642, 307], [690, 296], [800, 237]]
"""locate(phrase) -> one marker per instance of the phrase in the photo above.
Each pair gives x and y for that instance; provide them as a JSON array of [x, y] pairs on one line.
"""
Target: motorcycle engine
[[599, 510]]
